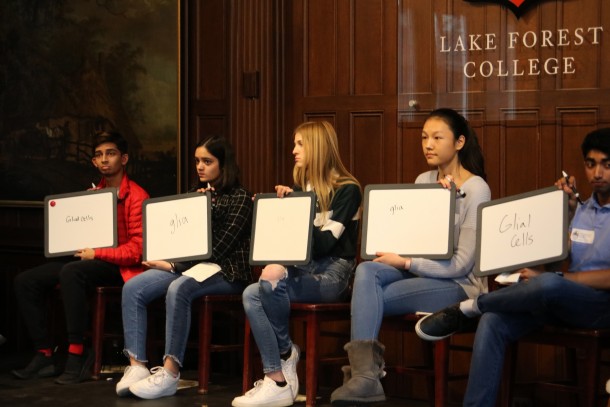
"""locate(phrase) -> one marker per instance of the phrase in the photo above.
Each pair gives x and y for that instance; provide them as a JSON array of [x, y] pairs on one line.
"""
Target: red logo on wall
[[518, 7]]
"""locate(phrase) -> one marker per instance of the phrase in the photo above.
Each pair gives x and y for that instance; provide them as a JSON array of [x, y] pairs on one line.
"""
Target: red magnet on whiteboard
[[52, 203]]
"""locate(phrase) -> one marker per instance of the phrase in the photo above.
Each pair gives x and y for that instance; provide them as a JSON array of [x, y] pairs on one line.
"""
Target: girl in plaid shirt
[[231, 228]]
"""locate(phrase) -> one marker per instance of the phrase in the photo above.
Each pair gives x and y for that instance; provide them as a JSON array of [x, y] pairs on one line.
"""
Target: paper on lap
[[508, 278], [202, 271]]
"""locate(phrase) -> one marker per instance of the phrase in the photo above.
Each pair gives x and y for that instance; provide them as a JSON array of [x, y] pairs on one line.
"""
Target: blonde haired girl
[[323, 168], [317, 168]]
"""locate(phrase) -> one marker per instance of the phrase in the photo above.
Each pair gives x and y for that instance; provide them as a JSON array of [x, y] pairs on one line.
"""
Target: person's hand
[[566, 186], [158, 264], [527, 273], [446, 181], [203, 190], [391, 259], [282, 190], [85, 254]]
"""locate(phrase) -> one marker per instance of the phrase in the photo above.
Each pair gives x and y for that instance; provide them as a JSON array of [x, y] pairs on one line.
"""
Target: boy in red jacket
[[78, 278]]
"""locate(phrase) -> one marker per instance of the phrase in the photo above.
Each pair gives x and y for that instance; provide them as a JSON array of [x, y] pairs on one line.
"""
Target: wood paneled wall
[[359, 64], [253, 70], [374, 68], [343, 69], [235, 83]]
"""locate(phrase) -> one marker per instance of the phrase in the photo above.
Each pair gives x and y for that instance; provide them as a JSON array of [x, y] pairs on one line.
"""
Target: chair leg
[[311, 359], [441, 366], [588, 373], [205, 339], [428, 362], [248, 374], [97, 340]]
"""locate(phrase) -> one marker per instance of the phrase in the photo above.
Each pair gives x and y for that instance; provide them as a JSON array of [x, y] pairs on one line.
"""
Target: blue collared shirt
[[590, 237]]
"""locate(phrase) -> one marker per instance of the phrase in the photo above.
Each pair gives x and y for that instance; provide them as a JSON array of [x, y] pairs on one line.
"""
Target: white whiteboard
[[282, 229], [79, 220], [409, 220], [178, 227], [521, 231]]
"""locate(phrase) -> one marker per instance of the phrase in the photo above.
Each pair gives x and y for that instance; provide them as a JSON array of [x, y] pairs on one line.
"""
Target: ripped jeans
[[179, 291], [268, 309]]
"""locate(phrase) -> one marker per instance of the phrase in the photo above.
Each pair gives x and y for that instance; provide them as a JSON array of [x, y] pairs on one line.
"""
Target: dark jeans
[[77, 280], [512, 312]]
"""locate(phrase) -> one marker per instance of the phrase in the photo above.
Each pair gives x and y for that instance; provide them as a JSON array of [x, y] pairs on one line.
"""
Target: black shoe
[[78, 368], [39, 366], [444, 323]]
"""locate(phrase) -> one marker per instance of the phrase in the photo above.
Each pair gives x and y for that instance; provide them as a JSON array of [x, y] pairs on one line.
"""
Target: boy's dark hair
[[220, 148], [597, 140], [111, 137]]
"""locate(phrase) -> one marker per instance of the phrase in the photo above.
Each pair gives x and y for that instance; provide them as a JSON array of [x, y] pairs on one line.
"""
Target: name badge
[[582, 236]]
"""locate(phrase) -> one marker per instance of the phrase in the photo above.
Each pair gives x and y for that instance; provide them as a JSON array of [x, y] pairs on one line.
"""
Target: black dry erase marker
[[459, 192], [574, 190]]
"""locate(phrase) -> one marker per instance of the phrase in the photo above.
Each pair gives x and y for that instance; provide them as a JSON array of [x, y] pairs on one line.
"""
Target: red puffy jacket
[[128, 254]]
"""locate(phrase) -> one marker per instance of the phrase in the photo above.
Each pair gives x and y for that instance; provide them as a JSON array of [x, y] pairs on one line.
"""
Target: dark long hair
[[220, 148], [471, 155]]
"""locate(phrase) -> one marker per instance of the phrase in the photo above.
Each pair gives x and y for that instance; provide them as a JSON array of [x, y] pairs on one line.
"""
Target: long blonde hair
[[323, 168]]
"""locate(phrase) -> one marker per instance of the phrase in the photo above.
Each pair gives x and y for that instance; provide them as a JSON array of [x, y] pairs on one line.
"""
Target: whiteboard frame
[[206, 229], [86, 196], [419, 188], [257, 245], [521, 264]]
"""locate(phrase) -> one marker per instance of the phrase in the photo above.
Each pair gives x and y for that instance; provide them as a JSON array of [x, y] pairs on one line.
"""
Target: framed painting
[[75, 67]]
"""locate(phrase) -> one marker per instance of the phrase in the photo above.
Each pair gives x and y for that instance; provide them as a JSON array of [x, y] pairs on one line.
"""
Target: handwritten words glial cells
[[520, 226], [78, 218]]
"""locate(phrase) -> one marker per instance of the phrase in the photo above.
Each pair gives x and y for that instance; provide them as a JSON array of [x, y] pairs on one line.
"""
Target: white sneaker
[[266, 393], [132, 374], [160, 384], [289, 370]]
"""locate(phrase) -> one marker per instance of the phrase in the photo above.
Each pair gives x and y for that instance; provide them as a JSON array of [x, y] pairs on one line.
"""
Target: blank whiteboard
[[80, 220], [409, 220], [282, 229], [178, 227], [521, 231]]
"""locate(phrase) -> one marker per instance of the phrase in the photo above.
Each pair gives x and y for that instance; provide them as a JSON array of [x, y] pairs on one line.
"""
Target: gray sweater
[[459, 267]]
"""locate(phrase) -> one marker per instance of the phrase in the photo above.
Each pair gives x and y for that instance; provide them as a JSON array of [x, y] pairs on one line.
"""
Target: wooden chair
[[435, 366], [584, 352], [206, 307], [312, 315], [102, 298]]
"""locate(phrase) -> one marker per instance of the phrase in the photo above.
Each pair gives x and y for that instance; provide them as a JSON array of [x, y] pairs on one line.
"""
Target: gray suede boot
[[366, 366], [347, 374]]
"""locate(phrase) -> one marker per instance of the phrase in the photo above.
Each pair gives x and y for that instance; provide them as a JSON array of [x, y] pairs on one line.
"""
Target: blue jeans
[[510, 313], [381, 290], [268, 308], [179, 293]]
